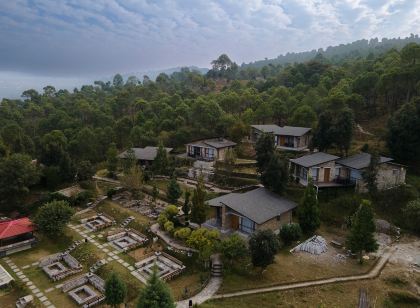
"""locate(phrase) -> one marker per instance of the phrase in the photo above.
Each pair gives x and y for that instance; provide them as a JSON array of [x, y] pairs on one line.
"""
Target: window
[[315, 174], [394, 171], [246, 225]]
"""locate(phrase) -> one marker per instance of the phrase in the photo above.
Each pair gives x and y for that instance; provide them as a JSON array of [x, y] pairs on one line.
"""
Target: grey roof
[[217, 143], [282, 130], [259, 204], [147, 153], [314, 159], [361, 161]]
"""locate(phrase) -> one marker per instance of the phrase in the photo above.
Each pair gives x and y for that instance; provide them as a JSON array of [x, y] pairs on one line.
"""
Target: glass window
[[246, 225]]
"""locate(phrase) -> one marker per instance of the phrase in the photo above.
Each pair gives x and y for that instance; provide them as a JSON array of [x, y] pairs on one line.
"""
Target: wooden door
[[234, 222], [282, 140], [327, 174]]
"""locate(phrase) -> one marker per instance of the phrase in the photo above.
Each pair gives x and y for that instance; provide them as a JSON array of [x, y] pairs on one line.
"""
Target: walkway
[[373, 273], [106, 248], [207, 293], [32, 287], [168, 240]]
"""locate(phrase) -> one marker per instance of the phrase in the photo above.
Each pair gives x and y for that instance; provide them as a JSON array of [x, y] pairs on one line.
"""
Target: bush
[[412, 215], [169, 226], [162, 219], [403, 297], [111, 192], [290, 233], [170, 212], [183, 233], [83, 197]]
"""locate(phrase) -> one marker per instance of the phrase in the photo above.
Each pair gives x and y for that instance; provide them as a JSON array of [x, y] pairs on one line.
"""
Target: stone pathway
[[207, 293], [106, 248], [32, 287], [373, 273]]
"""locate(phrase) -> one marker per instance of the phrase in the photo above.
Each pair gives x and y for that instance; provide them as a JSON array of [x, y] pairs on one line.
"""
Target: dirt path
[[374, 272], [362, 130]]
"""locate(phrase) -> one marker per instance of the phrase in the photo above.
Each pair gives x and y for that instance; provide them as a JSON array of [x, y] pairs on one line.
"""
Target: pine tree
[[264, 148], [361, 237], [112, 159], [155, 294], [199, 207], [308, 211], [276, 174], [160, 164], [371, 173], [174, 191], [186, 206], [115, 290]]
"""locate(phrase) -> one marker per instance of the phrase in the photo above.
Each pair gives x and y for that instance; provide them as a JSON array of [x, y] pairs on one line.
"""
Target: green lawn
[[120, 213], [45, 247]]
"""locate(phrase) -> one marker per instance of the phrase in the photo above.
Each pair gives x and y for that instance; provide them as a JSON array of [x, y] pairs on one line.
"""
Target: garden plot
[[98, 222], [127, 239], [59, 266], [167, 266], [86, 290]]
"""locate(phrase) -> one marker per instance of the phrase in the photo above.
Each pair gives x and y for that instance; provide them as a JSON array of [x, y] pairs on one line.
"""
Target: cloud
[[90, 37]]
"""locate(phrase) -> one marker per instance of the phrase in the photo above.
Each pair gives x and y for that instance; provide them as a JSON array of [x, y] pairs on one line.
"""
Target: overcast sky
[[82, 38]]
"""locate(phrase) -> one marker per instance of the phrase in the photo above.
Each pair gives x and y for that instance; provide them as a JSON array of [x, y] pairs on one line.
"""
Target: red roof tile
[[15, 227]]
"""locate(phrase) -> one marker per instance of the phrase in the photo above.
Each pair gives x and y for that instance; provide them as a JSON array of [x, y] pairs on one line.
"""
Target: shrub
[[171, 211], [412, 215], [183, 233], [162, 219], [169, 226], [403, 297], [111, 192], [290, 233]]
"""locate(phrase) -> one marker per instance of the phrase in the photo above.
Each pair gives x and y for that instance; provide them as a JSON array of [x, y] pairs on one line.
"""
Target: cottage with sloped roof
[[319, 166], [257, 209], [144, 156], [209, 149], [290, 138], [389, 173]]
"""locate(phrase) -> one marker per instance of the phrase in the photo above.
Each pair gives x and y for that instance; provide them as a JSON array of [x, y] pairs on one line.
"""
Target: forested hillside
[[68, 132], [360, 48]]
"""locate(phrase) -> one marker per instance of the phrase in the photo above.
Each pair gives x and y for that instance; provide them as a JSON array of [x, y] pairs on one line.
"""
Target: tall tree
[[308, 211], [371, 173], [160, 164], [174, 191], [52, 217], [276, 174], [263, 246], [118, 81], [155, 294], [264, 148], [186, 207], [362, 234], [404, 132], [133, 180], [199, 206], [115, 290], [112, 159], [17, 175]]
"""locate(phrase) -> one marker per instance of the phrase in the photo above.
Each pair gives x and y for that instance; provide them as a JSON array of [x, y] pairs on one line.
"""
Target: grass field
[[336, 295]]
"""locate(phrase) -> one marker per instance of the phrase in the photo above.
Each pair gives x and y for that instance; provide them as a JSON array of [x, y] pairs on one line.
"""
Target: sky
[[67, 40]]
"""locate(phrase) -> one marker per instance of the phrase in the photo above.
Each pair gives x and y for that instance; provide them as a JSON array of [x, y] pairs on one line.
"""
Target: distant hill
[[154, 73], [343, 51]]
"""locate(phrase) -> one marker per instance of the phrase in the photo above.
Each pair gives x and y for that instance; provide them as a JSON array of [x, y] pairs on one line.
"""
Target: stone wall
[[274, 224]]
